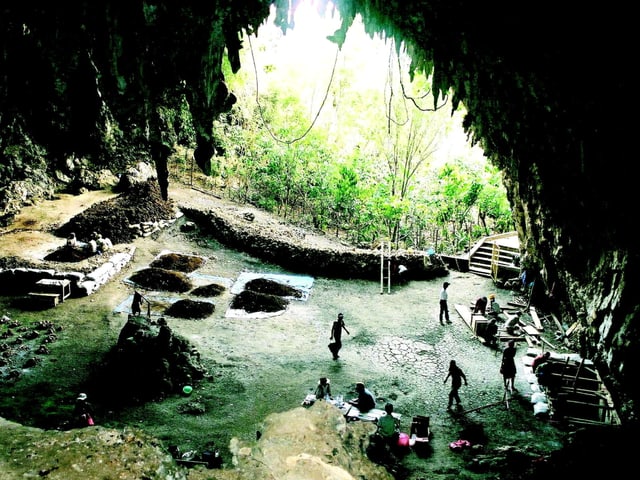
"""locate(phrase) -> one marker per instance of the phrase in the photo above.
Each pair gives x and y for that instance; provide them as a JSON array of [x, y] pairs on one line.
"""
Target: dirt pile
[[114, 218], [149, 362], [188, 308], [162, 279]]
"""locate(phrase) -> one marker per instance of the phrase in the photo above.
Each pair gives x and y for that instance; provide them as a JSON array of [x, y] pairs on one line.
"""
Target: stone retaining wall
[[339, 262], [22, 280]]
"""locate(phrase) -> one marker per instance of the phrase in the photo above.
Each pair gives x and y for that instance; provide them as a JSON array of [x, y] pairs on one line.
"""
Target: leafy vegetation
[[376, 162]]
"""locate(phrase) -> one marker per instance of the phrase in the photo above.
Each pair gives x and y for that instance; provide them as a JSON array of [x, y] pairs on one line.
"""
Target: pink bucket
[[403, 440]]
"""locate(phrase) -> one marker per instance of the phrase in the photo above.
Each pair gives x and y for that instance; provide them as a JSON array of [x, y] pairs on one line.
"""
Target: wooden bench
[[61, 287], [49, 299]]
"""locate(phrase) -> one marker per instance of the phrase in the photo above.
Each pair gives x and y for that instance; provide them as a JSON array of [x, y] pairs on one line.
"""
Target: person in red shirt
[[539, 360]]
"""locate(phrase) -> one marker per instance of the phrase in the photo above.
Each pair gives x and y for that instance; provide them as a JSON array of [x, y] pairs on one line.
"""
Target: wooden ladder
[[495, 260], [385, 266]]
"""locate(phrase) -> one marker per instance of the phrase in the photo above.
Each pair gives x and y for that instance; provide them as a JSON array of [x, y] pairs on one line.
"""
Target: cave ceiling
[[546, 88]]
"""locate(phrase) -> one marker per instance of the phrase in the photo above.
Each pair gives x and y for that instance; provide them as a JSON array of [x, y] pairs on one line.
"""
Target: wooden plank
[[581, 379], [483, 406], [588, 404], [572, 328], [587, 422], [505, 337], [464, 313], [601, 393], [577, 376], [544, 340], [517, 304], [536, 320], [558, 324], [531, 330], [51, 299]]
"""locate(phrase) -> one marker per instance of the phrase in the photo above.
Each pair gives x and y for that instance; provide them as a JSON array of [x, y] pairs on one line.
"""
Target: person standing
[[336, 336], [457, 376], [136, 304], [508, 365], [495, 310], [403, 274], [444, 306], [388, 426]]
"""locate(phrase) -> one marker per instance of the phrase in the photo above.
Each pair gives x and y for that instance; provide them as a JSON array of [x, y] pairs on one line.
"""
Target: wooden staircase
[[494, 256]]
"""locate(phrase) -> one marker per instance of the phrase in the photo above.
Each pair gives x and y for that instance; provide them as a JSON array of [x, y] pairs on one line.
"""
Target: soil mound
[[193, 309], [161, 279], [69, 254], [252, 302], [211, 290], [179, 262], [270, 287], [113, 218]]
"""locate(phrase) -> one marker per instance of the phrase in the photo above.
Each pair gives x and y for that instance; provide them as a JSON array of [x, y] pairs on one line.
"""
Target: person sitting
[[103, 244], [490, 334], [365, 400], [71, 240], [323, 390], [388, 426], [513, 325], [83, 411], [480, 306], [92, 246], [544, 374], [494, 307]]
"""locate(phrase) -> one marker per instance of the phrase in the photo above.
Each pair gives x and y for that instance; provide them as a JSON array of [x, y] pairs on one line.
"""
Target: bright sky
[[307, 57], [307, 48]]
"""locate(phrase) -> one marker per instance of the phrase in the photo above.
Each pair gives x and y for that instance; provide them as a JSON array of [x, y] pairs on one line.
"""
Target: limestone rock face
[[94, 452], [149, 362], [313, 443], [304, 443]]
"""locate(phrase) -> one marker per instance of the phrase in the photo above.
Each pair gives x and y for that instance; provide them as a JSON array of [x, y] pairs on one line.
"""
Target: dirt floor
[[260, 364]]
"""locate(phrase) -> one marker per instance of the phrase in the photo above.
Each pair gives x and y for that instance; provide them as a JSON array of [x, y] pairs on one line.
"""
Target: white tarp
[[303, 283]]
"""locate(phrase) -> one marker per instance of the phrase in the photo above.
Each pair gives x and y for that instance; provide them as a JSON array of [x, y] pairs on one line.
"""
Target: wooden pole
[[505, 400], [484, 406]]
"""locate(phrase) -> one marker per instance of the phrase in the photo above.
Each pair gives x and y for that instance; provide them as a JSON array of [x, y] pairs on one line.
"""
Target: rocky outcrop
[[314, 444], [148, 362]]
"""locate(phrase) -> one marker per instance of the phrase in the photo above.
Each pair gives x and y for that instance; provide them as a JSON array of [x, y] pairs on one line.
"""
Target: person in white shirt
[[444, 306]]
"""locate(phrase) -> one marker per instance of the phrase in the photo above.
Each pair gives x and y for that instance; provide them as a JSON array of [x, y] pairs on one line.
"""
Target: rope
[[326, 95], [412, 99]]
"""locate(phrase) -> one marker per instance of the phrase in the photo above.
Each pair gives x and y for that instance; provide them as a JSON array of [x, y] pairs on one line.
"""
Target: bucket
[[187, 389], [403, 440]]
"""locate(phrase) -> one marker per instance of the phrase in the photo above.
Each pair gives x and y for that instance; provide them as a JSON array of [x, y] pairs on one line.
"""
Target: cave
[[544, 89]]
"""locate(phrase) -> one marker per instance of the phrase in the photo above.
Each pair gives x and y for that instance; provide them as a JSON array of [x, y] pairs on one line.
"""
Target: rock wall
[[333, 261], [22, 280]]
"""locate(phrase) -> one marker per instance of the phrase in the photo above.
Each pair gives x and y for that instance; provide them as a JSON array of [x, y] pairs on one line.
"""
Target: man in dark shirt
[[365, 401]]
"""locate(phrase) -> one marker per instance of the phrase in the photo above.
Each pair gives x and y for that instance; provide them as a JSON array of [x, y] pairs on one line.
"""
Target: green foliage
[[371, 167]]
